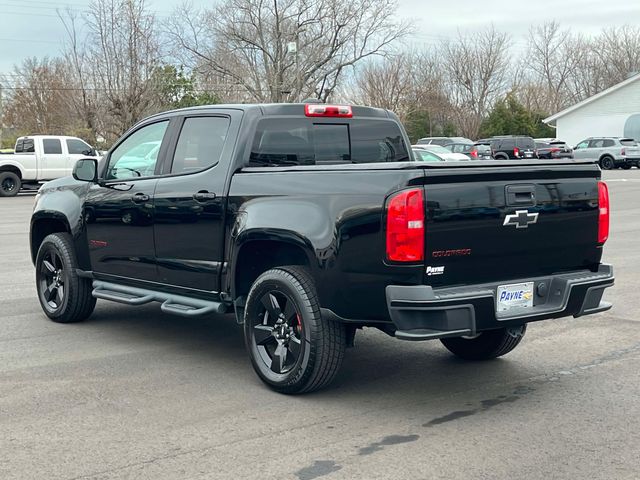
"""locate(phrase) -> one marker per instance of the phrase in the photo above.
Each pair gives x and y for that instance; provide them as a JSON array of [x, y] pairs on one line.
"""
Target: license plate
[[514, 296]]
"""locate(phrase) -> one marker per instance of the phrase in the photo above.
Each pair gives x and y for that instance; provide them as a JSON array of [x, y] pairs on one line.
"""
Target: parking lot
[[134, 393]]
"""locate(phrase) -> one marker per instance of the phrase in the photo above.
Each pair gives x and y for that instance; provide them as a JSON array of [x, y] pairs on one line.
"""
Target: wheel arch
[[41, 226], [10, 167], [257, 252]]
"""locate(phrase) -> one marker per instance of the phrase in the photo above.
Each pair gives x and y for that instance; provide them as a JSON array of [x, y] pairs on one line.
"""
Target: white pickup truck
[[39, 158]]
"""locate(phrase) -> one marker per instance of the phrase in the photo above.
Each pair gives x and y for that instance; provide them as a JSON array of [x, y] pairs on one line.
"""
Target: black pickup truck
[[311, 221]]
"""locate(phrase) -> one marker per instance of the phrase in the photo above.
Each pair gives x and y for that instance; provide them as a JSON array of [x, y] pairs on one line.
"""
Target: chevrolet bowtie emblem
[[521, 219]]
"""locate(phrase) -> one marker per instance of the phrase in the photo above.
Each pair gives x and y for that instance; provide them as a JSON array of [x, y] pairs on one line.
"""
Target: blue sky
[[32, 28]]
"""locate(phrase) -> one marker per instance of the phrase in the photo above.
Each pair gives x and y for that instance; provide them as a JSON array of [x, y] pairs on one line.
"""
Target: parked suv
[[610, 152], [511, 147]]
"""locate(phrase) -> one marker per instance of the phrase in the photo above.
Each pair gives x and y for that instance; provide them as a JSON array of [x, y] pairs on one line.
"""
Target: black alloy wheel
[[607, 163], [278, 336], [51, 280], [10, 184], [292, 348], [65, 297]]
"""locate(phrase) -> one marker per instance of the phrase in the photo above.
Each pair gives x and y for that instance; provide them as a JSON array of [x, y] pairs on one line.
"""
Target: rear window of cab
[[309, 141]]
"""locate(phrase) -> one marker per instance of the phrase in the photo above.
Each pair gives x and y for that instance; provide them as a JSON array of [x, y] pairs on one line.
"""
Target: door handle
[[204, 196], [520, 195], [140, 197]]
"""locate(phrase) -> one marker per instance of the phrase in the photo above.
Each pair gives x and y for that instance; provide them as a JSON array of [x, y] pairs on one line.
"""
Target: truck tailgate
[[523, 220]]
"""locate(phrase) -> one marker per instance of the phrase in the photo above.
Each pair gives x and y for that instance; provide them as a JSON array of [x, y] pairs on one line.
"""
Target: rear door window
[[282, 142], [200, 144], [526, 143], [51, 146], [508, 144]]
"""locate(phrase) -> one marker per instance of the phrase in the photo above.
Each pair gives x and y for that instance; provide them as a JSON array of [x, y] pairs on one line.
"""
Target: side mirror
[[86, 170], [90, 152]]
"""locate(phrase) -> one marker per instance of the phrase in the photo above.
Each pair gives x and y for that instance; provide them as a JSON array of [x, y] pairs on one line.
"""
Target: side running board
[[176, 304]]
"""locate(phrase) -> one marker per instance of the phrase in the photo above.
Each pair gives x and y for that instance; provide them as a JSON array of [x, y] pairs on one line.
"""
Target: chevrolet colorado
[[310, 221]]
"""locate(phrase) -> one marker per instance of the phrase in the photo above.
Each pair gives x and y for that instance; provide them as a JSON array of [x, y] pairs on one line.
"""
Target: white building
[[614, 112]]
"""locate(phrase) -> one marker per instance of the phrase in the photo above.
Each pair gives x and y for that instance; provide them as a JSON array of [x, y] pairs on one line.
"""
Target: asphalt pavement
[[136, 394]]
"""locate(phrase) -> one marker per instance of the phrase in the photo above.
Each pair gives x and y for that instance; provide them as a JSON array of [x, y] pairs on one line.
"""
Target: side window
[[598, 143], [507, 145], [608, 143], [200, 143], [526, 144], [425, 156], [28, 146], [19, 146], [51, 146], [583, 144], [77, 147], [137, 155]]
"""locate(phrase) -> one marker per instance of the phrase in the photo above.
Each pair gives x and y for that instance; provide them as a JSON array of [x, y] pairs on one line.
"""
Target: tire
[[607, 163], [486, 345], [64, 296], [292, 348], [626, 166], [10, 184], [501, 157]]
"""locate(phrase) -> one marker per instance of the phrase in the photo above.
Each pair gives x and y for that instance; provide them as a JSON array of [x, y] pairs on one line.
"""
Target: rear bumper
[[423, 313], [621, 161]]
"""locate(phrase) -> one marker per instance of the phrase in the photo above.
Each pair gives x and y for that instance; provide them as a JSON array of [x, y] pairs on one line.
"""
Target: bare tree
[[85, 99], [477, 71], [553, 56], [618, 49], [410, 84], [284, 50], [122, 52], [388, 83], [39, 98]]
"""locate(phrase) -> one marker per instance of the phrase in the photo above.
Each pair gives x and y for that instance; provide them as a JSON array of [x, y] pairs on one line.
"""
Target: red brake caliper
[[299, 324]]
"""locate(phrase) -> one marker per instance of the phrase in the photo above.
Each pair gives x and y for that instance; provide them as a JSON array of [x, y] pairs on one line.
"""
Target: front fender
[[60, 202]]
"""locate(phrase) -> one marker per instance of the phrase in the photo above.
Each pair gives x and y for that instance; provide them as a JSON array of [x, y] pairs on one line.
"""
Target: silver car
[[610, 152]]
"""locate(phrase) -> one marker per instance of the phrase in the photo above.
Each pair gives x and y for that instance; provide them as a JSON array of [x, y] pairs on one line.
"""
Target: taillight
[[603, 217], [318, 110], [405, 226], [516, 151], [474, 154], [623, 152]]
